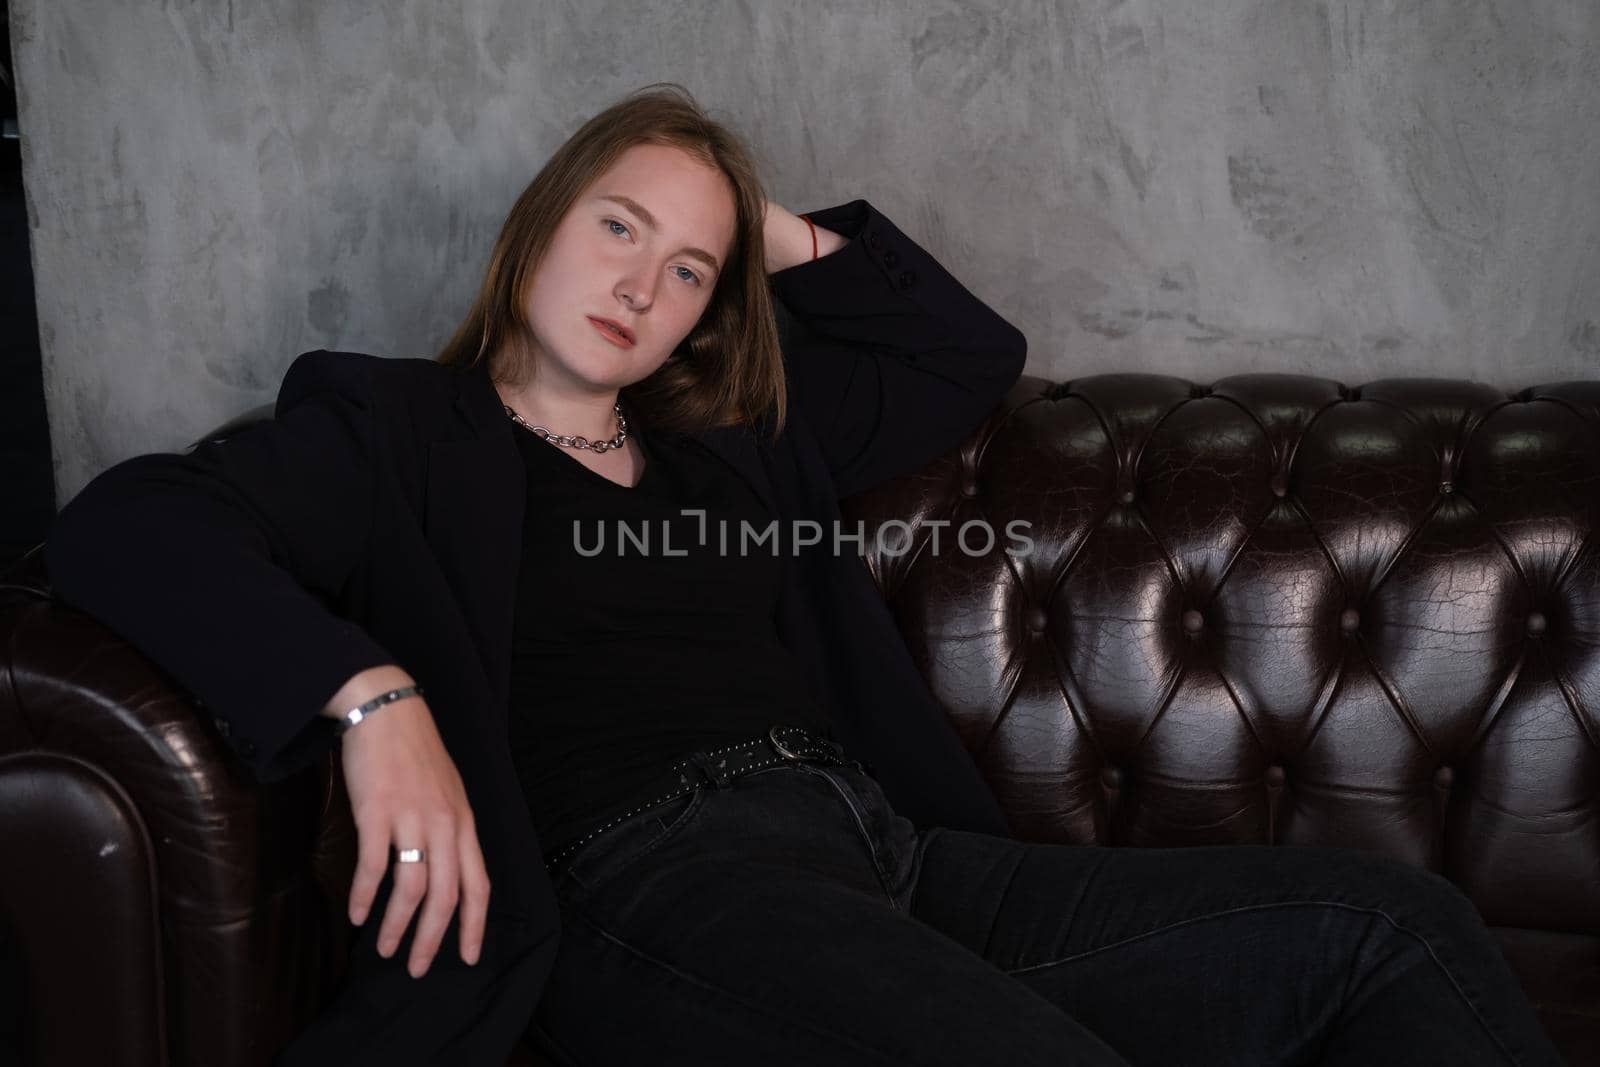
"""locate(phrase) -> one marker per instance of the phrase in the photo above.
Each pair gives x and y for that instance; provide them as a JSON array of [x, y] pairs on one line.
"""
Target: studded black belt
[[719, 766]]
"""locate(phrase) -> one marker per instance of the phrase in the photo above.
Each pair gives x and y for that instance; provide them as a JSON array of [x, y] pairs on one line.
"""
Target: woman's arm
[[896, 361], [219, 566], [787, 238]]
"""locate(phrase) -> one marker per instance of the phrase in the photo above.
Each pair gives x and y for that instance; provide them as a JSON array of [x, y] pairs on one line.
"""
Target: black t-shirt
[[628, 655]]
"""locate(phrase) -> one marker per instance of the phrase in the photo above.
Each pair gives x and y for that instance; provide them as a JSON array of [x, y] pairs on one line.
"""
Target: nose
[[638, 292]]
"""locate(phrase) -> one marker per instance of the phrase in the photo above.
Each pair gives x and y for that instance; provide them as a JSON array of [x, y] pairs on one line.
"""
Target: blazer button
[[247, 747], [890, 259], [874, 242], [222, 727], [907, 279]]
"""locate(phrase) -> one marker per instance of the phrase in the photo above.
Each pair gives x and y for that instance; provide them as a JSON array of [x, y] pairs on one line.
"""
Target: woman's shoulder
[[360, 375]]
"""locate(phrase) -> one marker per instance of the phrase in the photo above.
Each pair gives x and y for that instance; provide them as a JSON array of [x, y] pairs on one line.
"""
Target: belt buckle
[[782, 750]]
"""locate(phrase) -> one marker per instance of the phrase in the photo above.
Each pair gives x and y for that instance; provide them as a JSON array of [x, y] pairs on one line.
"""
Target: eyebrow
[[650, 221]]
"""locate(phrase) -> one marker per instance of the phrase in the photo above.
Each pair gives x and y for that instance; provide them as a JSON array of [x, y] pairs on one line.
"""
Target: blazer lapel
[[738, 447], [476, 491]]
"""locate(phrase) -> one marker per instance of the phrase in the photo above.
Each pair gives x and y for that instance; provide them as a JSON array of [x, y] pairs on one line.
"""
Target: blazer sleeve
[[895, 361], [222, 565]]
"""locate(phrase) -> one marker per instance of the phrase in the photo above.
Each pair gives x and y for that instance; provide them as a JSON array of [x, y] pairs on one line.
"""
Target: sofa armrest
[[243, 940]]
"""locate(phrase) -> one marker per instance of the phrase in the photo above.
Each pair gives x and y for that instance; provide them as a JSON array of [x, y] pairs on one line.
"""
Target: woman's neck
[[588, 415]]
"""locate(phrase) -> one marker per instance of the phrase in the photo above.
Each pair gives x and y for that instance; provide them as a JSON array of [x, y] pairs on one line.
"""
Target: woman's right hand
[[405, 792]]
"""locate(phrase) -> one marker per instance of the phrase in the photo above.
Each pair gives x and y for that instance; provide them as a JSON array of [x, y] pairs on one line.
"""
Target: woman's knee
[[1404, 890]]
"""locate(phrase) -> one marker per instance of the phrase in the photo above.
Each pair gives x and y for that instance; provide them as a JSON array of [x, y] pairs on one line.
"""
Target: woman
[[611, 787]]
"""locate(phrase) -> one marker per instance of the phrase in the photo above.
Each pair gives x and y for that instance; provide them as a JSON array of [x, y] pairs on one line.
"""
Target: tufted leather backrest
[[1277, 610]]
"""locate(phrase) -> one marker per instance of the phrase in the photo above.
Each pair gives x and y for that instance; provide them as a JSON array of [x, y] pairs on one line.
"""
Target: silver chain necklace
[[579, 441]]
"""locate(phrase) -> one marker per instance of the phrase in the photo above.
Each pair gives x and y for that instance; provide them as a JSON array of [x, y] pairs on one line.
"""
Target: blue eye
[[687, 275]]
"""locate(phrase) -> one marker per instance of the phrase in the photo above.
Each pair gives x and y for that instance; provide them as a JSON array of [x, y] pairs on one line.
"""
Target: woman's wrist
[[788, 239], [362, 687]]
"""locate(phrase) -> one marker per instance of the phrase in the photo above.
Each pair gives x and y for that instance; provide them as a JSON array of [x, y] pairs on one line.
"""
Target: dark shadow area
[[27, 489], [27, 483], [12, 1002]]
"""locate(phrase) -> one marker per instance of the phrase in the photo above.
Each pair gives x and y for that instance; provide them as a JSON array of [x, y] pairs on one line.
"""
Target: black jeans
[[791, 917]]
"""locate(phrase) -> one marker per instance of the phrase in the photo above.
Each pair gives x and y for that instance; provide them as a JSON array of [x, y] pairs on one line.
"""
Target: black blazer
[[377, 519]]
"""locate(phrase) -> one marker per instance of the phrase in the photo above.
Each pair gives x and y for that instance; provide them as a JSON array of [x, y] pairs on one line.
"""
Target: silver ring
[[409, 855]]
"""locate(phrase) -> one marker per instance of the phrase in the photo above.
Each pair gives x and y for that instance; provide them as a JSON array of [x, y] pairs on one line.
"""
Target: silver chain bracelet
[[355, 715]]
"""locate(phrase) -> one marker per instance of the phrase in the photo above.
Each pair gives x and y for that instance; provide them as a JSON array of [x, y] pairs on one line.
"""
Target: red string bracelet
[[813, 235]]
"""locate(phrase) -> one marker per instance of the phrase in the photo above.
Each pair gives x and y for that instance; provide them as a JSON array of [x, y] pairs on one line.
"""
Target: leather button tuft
[[1111, 778], [890, 259], [907, 279], [1037, 620], [1443, 777], [1446, 488], [1197, 392], [1274, 775], [1126, 496], [1280, 485], [1349, 620], [1193, 621], [1536, 623], [969, 488]]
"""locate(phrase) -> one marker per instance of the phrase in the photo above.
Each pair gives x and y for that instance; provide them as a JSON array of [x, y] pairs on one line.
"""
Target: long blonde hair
[[729, 370]]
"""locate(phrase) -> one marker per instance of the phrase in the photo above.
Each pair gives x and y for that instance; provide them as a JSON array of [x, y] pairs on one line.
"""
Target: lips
[[613, 331]]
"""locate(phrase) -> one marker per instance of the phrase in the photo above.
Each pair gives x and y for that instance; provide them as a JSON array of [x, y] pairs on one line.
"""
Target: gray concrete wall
[[1353, 189]]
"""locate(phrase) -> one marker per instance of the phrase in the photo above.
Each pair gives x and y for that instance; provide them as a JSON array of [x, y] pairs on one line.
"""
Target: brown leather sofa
[[1271, 610]]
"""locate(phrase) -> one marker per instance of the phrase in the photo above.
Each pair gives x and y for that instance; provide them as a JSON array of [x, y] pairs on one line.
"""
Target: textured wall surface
[[1351, 189]]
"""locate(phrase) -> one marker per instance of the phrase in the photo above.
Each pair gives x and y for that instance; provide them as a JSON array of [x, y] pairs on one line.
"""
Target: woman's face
[[642, 246]]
